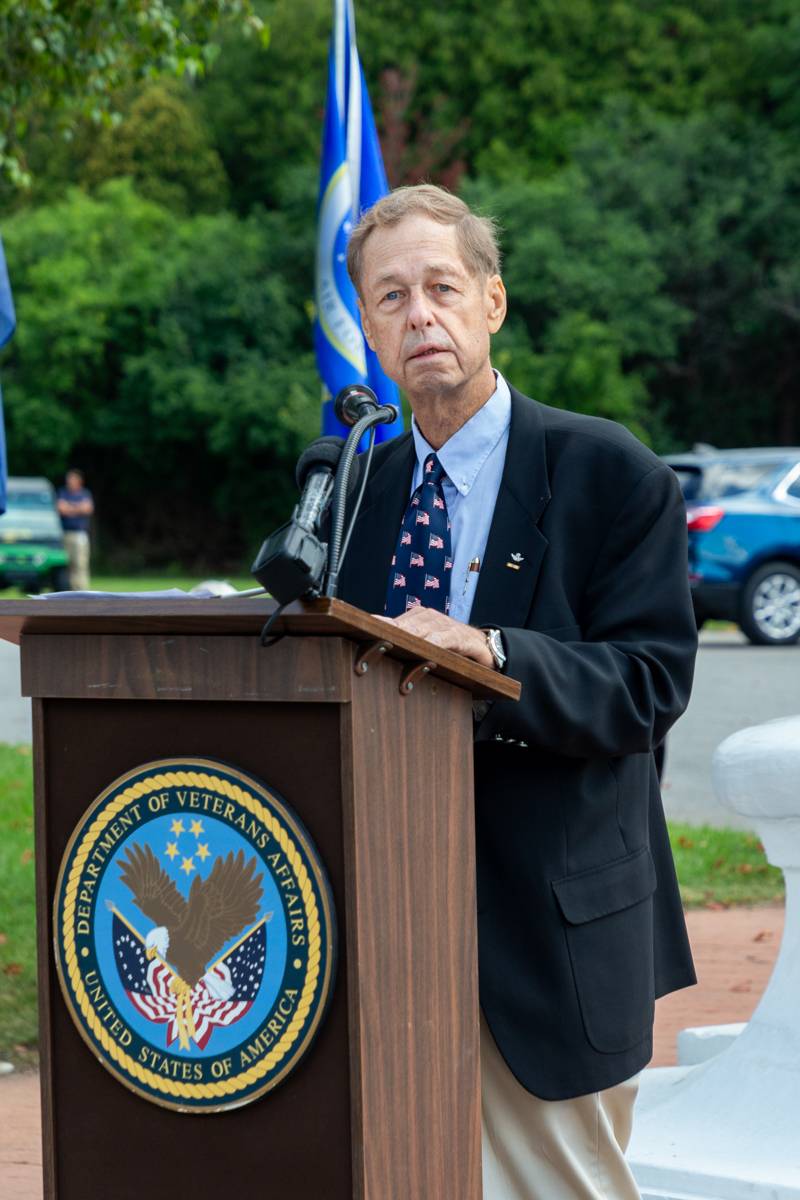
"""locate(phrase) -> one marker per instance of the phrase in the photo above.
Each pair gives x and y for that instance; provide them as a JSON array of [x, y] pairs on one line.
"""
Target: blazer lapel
[[516, 546], [365, 575]]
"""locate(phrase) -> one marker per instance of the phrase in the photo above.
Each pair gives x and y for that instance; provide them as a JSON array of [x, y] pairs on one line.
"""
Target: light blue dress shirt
[[473, 459]]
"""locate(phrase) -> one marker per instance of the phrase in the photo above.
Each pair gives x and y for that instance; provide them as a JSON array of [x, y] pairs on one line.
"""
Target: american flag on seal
[[147, 983], [431, 581]]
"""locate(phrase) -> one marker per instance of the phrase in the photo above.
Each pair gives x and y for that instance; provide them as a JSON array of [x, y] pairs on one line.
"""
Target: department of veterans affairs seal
[[194, 934]]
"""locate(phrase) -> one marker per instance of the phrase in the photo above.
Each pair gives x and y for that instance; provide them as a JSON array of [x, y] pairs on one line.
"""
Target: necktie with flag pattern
[[423, 561]]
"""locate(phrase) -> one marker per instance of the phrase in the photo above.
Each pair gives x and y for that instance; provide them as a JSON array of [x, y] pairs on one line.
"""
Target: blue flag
[[352, 178], [8, 323]]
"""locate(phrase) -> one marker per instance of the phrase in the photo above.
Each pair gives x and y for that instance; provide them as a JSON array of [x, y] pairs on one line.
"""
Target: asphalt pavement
[[736, 685], [15, 713]]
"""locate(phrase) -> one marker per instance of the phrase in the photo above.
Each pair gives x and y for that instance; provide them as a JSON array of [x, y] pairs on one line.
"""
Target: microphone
[[292, 560], [314, 475], [357, 400]]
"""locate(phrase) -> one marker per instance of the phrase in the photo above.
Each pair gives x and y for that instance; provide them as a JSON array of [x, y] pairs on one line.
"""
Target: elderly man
[[551, 546]]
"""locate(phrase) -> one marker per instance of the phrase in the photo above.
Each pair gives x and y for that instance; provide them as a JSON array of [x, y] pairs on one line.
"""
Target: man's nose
[[420, 310]]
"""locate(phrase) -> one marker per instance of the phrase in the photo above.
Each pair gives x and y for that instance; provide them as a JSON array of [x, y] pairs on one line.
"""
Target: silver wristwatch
[[494, 640]]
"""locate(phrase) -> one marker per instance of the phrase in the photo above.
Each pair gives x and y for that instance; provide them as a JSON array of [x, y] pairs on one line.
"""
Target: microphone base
[[290, 563]]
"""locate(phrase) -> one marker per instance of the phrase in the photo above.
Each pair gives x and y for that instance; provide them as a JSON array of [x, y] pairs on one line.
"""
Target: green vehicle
[[32, 554]]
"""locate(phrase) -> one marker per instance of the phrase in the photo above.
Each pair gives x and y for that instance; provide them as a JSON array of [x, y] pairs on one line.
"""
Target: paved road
[[735, 685], [15, 713]]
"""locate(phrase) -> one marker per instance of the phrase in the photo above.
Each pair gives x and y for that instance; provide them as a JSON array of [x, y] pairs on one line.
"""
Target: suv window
[[30, 515], [29, 499], [690, 479], [720, 479]]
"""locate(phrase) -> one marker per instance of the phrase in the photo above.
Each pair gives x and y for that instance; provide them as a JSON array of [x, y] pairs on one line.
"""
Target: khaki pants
[[76, 543], [552, 1149]]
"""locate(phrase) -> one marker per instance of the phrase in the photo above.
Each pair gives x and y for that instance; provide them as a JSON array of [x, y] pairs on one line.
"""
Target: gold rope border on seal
[[237, 1083]]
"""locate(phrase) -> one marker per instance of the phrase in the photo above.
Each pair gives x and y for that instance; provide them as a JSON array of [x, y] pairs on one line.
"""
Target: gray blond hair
[[477, 236]]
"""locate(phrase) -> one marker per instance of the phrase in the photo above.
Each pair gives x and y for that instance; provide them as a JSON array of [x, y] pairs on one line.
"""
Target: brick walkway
[[734, 952]]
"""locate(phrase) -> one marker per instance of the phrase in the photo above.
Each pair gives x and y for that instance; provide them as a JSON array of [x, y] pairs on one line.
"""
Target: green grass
[[18, 1028], [716, 868], [719, 867], [148, 581]]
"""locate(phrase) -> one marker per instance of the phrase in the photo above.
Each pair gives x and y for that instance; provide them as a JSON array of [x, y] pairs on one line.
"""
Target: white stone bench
[[729, 1128]]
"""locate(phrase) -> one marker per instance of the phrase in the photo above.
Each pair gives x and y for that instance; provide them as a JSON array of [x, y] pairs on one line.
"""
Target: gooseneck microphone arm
[[357, 406]]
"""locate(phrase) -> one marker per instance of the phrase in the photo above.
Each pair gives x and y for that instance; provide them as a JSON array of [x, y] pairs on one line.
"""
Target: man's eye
[[443, 287], [391, 295]]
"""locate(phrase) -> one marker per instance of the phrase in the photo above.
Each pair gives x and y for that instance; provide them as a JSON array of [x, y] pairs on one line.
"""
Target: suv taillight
[[700, 520]]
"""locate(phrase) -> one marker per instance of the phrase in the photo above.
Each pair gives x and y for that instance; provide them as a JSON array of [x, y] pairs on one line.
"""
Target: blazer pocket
[[608, 915]]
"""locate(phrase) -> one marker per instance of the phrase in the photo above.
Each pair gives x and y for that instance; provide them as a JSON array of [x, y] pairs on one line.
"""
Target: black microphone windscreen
[[324, 452]]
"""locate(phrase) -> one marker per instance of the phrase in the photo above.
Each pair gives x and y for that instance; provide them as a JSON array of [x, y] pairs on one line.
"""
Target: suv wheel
[[770, 610]]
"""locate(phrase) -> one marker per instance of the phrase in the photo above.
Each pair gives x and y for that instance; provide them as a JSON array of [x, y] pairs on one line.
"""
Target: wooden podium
[[367, 733]]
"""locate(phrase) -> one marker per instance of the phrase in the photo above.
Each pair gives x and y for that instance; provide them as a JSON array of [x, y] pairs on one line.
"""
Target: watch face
[[496, 646]]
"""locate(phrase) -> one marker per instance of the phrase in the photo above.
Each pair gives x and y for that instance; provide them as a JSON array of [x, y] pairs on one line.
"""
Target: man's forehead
[[422, 266], [415, 245]]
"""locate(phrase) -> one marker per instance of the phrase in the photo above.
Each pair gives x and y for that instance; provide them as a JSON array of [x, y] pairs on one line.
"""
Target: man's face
[[74, 481], [426, 316]]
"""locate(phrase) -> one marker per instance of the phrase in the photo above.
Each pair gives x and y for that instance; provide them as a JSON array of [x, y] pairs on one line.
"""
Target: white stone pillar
[[729, 1129]]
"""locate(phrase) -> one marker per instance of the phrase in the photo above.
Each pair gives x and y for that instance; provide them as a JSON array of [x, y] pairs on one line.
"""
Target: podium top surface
[[229, 616]]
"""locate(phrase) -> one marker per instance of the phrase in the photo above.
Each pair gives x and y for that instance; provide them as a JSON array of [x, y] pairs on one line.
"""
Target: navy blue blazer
[[580, 924]]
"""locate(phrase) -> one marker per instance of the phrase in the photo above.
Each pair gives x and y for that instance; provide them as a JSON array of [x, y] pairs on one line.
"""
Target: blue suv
[[743, 515]]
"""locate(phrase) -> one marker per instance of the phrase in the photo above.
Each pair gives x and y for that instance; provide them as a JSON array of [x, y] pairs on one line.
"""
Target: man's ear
[[365, 325], [496, 303]]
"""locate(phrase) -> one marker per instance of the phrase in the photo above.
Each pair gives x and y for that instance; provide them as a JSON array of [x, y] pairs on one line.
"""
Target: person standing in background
[[76, 507]]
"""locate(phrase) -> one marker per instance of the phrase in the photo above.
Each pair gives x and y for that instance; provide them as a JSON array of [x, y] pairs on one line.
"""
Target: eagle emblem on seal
[[182, 985]]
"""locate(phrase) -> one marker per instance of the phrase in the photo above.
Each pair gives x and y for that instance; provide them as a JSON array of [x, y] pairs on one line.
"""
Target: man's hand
[[443, 631]]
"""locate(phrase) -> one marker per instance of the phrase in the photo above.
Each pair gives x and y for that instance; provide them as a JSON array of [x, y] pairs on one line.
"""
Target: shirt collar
[[463, 455]]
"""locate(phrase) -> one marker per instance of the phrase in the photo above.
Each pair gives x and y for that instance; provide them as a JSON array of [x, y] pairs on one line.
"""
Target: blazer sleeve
[[618, 685]]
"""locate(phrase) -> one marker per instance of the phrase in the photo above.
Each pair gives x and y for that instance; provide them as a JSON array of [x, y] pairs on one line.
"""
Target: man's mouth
[[427, 352]]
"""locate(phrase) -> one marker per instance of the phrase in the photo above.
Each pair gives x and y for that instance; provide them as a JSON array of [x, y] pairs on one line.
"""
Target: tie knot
[[433, 471]]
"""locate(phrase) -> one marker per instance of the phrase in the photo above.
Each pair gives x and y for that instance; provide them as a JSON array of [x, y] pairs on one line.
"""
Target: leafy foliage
[[265, 109], [717, 197], [73, 58], [161, 353], [642, 160], [586, 299], [162, 146]]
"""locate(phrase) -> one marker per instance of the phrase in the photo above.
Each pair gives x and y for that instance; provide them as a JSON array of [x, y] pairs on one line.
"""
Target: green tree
[[719, 195], [588, 310], [502, 91], [72, 59], [165, 149], [171, 357], [265, 110]]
